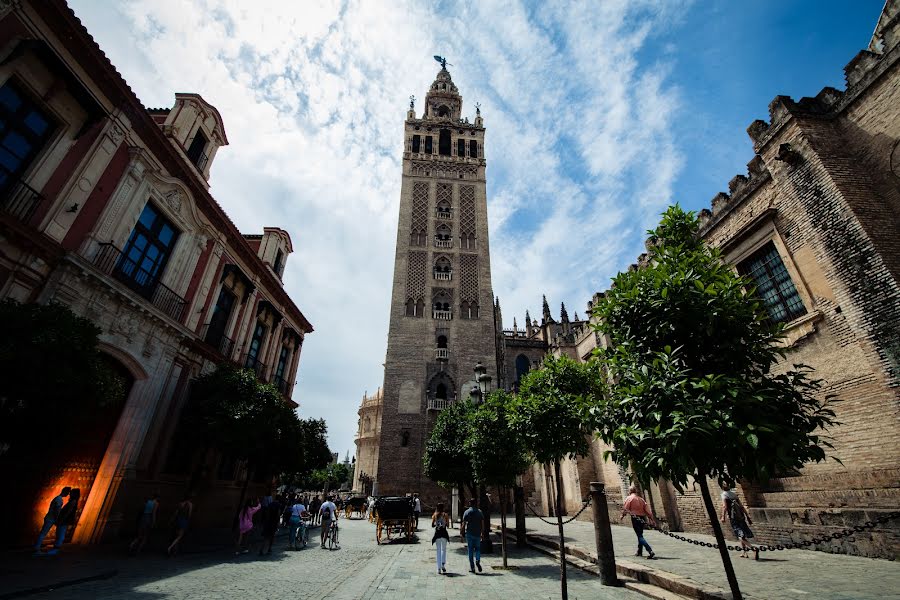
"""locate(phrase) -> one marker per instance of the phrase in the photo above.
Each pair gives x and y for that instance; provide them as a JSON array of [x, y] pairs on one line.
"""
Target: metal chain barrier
[[585, 503], [790, 545]]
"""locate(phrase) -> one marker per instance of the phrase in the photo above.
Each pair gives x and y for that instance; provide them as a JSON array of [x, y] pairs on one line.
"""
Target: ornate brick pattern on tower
[[434, 346]]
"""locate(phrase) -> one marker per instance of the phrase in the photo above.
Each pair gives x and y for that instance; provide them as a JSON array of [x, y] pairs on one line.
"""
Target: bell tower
[[441, 322]]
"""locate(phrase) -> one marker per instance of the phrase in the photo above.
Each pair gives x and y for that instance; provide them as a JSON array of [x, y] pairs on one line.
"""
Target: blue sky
[[598, 115]]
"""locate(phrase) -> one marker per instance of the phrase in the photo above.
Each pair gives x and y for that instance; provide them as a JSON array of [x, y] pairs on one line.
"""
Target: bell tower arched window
[[444, 143]]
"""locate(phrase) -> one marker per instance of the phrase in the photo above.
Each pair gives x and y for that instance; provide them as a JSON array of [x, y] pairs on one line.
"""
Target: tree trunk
[[487, 546], [501, 490], [562, 538], [720, 539], [519, 495]]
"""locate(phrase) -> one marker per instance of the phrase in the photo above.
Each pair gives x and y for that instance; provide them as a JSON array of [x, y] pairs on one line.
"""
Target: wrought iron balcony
[[443, 214], [283, 385], [19, 200], [442, 315], [443, 276], [439, 243], [223, 344], [111, 261], [440, 403], [258, 367], [442, 353]]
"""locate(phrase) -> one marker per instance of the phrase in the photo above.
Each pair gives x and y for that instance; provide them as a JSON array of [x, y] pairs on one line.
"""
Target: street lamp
[[479, 394]]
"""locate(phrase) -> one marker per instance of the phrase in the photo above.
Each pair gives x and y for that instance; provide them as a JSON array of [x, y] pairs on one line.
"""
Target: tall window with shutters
[[25, 127]]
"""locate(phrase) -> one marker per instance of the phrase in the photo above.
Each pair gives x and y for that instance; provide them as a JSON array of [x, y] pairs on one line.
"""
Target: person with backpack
[[440, 520], [740, 520]]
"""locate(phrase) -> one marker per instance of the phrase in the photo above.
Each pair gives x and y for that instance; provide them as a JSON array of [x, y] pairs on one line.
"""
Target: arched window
[[442, 341], [443, 232], [404, 438], [420, 307], [410, 307], [441, 391], [443, 109], [444, 145], [523, 365]]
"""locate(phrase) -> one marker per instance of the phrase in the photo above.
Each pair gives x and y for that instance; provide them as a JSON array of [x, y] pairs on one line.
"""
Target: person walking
[[245, 525], [417, 509], [328, 512], [146, 522], [66, 519], [737, 514], [639, 510], [440, 520], [181, 519], [315, 505], [50, 519], [470, 529]]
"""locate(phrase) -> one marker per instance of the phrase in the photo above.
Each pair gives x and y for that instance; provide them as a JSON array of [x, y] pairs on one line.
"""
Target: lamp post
[[480, 392]]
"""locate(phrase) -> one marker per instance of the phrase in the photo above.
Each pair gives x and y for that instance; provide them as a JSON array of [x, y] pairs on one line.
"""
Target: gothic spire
[[515, 325], [527, 323], [563, 314], [547, 317]]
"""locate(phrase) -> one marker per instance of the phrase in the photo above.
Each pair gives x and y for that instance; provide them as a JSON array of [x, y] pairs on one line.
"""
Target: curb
[[641, 578], [59, 584]]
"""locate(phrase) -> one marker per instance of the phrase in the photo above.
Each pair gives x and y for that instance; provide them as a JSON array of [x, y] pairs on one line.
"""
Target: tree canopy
[[52, 371], [494, 448], [446, 460], [693, 357]]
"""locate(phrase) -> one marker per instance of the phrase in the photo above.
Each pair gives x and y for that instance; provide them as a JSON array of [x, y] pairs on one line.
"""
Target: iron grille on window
[[773, 284]]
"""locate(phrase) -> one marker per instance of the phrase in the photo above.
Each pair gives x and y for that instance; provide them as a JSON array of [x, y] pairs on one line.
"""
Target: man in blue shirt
[[472, 522]]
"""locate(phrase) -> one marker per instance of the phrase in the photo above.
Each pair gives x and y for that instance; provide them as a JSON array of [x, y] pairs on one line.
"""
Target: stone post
[[606, 558]]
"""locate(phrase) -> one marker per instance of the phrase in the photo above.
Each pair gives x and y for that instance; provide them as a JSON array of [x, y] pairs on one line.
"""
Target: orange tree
[[694, 390], [549, 415]]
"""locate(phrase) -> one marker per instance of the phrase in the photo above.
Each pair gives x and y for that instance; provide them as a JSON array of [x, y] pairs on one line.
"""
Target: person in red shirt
[[639, 510]]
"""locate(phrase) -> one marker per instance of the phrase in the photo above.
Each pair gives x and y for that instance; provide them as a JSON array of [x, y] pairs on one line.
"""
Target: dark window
[[24, 129], [420, 307], [219, 320], [147, 251], [444, 143], [410, 308], [460, 147], [441, 391], [442, 341], [473, 148], [404, 438], [195, 151], [279, 258], [416, 143], [282, 363], [523, 365], [428, 144], [255, 345], [773, 284]]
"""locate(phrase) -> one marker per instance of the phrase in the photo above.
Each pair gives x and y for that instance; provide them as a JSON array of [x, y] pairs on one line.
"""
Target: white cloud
[[313, 95]]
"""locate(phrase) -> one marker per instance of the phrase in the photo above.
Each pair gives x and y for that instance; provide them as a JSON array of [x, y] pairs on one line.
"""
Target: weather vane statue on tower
[[442, 60]]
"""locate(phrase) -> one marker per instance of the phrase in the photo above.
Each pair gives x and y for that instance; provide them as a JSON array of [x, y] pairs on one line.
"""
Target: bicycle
[[303, 534], [332, 535]]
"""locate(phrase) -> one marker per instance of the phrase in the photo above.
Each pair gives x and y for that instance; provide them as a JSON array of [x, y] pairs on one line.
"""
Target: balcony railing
[[223, 344], [201, 161], [443, 276], [19, 200], [258, 367], [442, 315], [111, 261], [440, 403], [443, 214], [442, 353], [439, 243]]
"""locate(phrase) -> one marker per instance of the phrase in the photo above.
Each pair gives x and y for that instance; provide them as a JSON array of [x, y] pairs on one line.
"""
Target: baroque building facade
[[105, 208], [441, 322], [815, 223]]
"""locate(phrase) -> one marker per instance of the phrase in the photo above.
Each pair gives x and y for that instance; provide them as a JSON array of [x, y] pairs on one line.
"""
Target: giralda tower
[[442, 317]]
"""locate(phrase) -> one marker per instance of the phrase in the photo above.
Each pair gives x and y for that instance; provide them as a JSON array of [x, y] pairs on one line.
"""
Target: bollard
[[606, 558], [519, 492]]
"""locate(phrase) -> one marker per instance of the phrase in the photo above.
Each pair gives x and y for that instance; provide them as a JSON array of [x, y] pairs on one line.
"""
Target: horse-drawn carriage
[[394, 515], [357, 505]]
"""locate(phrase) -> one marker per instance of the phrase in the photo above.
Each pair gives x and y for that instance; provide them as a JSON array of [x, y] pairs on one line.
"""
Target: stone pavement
[[780, 574], [358, 570]]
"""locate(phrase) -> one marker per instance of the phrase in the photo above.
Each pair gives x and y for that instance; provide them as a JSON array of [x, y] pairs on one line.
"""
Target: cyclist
[[328, 511], [296, 524]]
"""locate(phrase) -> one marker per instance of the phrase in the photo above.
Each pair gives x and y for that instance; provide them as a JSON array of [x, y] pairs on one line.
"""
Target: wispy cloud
[[580, 156]]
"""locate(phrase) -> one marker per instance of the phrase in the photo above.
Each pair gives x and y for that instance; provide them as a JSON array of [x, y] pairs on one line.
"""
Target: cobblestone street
[[359, 569]]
